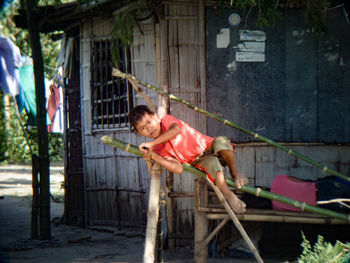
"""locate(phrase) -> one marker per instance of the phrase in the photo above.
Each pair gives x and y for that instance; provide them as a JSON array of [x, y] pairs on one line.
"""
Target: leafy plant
[[3, 134], [20, 37], [323, 251], [14, 147], [18, 149], [267, 11], [124, 23]]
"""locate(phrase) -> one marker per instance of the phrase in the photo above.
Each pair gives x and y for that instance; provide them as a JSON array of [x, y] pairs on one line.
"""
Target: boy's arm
[[173, 130], [171, 164]]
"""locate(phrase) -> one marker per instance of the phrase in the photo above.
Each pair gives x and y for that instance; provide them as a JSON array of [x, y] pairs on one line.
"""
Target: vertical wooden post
[[163, 102], [200, 187], [159, 240], [202, 63], [33, 28], [152, 214], [35, 201], [201, 221], [169, 208], [66, 156], [153, 207], [163, 81]]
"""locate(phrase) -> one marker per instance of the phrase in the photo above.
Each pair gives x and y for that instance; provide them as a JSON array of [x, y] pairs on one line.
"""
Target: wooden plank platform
[[267, 215]]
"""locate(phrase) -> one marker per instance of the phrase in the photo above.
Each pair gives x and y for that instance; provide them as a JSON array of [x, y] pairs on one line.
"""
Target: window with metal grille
[[111, 97]]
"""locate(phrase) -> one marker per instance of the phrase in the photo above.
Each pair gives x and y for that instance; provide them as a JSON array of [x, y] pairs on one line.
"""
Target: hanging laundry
[[26, 73], [53, 101], [10, 61], [28, 87], [54, 109]]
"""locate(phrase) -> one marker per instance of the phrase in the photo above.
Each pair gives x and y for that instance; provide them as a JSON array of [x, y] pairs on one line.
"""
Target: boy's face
[[149, 126]]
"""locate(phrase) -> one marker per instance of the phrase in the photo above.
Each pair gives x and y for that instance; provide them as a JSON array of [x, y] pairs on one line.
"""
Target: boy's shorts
[[210, 161]]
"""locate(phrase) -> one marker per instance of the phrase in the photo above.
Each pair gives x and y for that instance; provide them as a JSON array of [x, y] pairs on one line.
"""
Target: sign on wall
[[251, 47]]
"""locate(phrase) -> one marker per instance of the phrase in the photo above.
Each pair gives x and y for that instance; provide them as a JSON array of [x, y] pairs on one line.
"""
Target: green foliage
[[124, 23], [266, 12], [3, 134], [20, 37], [122, 30], [324, 252], [315, 13], [12, 139], [18, 149]]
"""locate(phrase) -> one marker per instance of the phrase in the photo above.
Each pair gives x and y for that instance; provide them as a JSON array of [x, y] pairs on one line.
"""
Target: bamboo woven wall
[[185, 82], [261, 162], [117, 182]]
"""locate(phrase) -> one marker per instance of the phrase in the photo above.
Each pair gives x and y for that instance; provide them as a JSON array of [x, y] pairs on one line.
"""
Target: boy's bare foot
[[239, 179], [236, 204]]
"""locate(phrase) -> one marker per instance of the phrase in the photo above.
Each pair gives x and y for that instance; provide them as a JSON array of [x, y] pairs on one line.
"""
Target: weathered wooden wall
[[185, 57], [261, 162], [116, 182]]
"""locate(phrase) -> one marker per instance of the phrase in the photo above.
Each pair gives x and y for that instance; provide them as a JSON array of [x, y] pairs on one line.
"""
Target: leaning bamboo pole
[[118, 73], [248, 189], [236, 222]]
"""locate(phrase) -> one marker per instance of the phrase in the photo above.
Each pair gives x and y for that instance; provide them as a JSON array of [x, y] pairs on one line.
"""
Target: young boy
[[175, 142]]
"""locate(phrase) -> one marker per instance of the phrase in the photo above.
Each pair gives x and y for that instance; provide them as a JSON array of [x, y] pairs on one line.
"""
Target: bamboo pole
[[118, 73], [162, 55], [156, 170], [248, 189], [152, 214], [236, 222]]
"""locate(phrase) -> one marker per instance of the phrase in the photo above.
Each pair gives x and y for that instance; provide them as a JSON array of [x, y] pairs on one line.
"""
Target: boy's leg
[[236, 204], [237, 177]]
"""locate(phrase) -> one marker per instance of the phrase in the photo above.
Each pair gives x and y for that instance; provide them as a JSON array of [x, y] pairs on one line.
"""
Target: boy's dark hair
[[137, 113]]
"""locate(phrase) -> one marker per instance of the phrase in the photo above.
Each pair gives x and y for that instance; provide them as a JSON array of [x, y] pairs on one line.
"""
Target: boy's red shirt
[[186, 146]]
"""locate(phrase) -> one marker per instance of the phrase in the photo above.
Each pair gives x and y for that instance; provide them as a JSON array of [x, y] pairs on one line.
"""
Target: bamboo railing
[[118, 73], [248, 189]]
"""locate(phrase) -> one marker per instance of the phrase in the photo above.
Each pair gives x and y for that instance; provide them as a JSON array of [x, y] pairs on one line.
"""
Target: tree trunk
[[33, 28]]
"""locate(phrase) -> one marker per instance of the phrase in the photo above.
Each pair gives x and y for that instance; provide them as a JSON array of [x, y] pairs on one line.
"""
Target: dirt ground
[[68, 244]]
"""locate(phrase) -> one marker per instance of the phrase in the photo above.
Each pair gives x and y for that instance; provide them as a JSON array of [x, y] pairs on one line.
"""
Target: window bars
[[111, 97]]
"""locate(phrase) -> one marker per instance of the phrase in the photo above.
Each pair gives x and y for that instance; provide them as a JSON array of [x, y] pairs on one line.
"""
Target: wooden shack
[[281, 81]]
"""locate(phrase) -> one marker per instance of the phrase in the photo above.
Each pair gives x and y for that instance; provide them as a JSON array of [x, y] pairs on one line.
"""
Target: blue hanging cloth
[[10, 61]]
